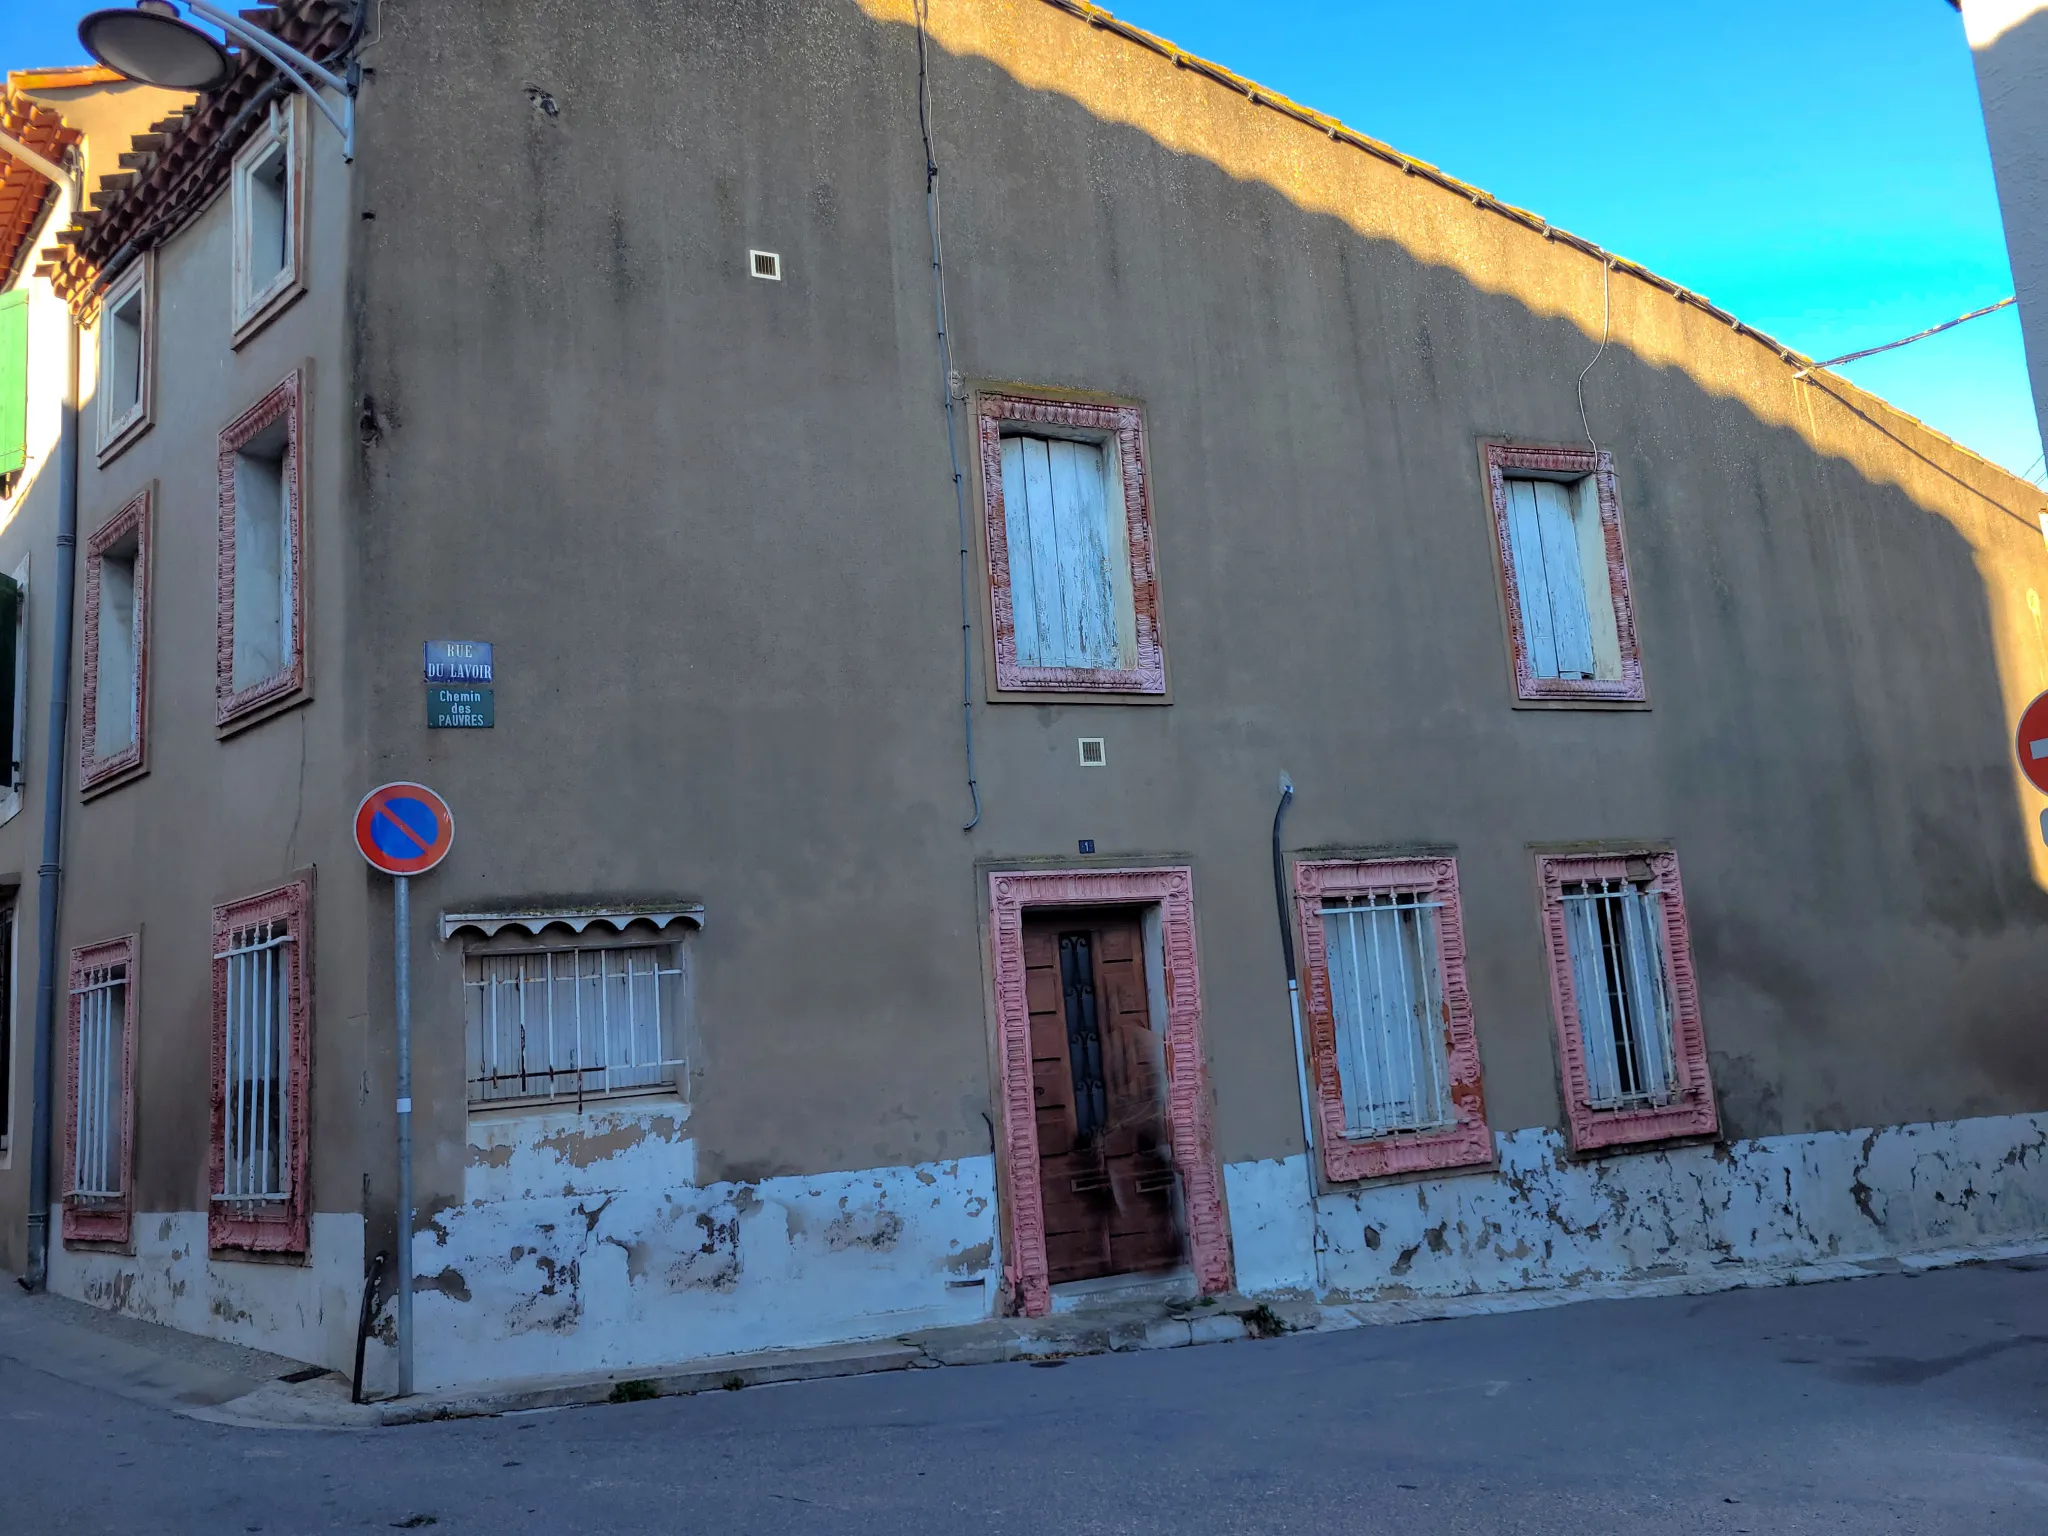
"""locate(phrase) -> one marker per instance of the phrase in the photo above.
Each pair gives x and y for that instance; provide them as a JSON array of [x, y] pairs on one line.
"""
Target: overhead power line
[[1932, 330]]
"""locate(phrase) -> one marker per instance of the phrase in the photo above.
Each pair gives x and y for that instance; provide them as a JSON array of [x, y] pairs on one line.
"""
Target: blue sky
[[1818, 167]]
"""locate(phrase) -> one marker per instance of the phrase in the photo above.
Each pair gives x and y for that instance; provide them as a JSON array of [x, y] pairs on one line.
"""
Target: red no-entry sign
[[404, 829], [2033, 743]]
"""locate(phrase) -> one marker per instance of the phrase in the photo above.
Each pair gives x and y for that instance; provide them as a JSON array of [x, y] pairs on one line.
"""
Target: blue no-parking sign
[[404, 829]]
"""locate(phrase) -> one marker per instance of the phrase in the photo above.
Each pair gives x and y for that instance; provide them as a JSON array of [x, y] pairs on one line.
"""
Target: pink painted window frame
[[94, 771], [1124, 424], [1693, 1112], [101, 1220], [284, 400], [265, 1227], [1012, 893], [1501, 460], [1468, 1142]]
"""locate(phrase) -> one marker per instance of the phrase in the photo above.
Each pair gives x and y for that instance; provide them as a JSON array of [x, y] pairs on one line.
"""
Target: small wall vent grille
[[1093, 753], [765, 264]]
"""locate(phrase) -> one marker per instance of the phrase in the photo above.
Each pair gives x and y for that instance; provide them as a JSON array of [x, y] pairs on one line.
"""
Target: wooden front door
[[1105, 1161]]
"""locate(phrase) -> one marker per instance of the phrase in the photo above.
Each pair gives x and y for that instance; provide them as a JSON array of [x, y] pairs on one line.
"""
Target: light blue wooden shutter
[[1545, 545], [1027, 501], [1569, 620], [1525, 543], [1062, 589]]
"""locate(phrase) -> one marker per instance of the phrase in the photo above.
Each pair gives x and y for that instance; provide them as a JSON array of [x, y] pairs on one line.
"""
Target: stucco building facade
[[1664, 901]]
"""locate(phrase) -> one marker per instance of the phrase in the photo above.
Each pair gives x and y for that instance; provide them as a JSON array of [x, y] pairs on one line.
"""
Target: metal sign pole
[[403, 829], [401, 919]]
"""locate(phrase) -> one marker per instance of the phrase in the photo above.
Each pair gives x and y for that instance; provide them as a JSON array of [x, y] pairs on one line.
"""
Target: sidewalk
[[140, 1361], [227, 1384]]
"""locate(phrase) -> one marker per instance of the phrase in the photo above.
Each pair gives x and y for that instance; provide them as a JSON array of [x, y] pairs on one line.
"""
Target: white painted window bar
[[256, 1167], [96, 1119], [1387, 990], [555, 1024], [1616, 929]]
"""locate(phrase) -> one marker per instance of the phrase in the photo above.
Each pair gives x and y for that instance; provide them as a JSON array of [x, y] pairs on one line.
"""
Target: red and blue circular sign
[[2033, 743], [404, 829]]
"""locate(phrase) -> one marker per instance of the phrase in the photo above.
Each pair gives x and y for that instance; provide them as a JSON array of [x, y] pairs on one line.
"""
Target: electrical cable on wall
[[1606, 329], [932, 220]]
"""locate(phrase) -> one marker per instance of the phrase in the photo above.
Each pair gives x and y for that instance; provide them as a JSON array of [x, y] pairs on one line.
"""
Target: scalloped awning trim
[[538, 920]]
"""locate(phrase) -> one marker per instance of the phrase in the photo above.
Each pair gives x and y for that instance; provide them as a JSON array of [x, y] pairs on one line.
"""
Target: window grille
[[1387, 992], [97, 1118], [574, 1023], [1615, 928], [257, 1150]]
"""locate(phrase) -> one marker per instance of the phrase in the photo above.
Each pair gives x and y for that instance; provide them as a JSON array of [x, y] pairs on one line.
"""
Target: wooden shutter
[[1525, 542], [1062, 591], [10, 632], [1545, 544], [13, 387], [1570, 622]]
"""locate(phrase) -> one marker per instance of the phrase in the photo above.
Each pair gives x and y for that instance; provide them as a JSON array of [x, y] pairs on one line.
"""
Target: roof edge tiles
[[1261, 96], [25, 194], [187, 164], [185, 158], [65, 78]]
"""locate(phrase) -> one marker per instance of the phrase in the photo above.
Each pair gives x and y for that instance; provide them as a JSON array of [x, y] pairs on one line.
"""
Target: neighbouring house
[[1666, 903], [83, 122], [2009, 46]]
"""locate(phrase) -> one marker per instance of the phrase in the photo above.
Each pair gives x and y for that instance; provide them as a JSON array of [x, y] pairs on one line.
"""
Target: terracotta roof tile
[[68, 78], [24, 193], [172, 171]]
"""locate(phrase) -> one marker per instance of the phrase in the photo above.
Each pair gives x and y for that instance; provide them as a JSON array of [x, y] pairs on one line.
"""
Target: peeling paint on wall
[[584, 1244], [307, 1311], [1735, 1214]]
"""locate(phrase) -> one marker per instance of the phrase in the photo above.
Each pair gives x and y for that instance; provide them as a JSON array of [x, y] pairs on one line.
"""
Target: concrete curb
[[323, 1402]]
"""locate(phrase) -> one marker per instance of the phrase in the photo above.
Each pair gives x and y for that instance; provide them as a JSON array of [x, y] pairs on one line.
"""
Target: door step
[[1107, 1291]]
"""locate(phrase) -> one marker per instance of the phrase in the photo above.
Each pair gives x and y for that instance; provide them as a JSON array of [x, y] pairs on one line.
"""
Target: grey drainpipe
[[53, 773]]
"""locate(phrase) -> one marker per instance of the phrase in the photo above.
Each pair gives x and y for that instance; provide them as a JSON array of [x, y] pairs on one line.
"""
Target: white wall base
[[584, 1245], [1783, 1206], [306, 1311]]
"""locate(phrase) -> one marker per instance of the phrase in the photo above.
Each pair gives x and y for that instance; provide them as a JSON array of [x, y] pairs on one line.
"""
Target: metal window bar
[[96, 1113], [1616, 934], [573, 1023], [255, 1164], [1387, 990]]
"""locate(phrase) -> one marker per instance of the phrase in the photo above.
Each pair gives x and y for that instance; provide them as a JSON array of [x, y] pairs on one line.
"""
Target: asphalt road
[[1908, 1404]]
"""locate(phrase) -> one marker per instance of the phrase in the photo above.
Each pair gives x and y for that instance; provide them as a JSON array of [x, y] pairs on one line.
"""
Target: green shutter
[[13, 394], [10, 726]]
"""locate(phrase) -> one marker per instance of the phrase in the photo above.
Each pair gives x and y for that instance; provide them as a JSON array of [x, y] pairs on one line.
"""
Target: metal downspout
[[41, 1123], [1308, 1133]]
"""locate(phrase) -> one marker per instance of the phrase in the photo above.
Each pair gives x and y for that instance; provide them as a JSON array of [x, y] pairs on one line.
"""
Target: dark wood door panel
[[1106, 1174]]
